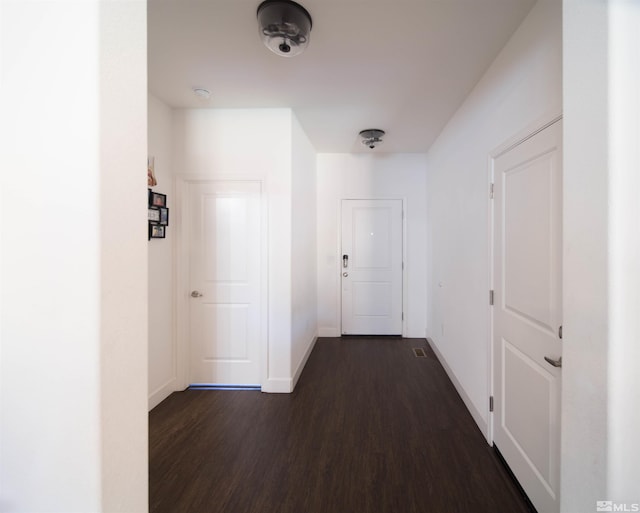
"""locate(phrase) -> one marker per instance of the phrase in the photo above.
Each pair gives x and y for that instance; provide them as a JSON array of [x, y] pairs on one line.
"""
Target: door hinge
[[491, 297], [491, 191], [490, 403], [560, 332], [403, 316]]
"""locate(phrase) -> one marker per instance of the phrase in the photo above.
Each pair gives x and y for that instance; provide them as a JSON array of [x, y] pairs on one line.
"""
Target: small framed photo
[[156, 231], [164, 216], [154, 215], [157, 200]]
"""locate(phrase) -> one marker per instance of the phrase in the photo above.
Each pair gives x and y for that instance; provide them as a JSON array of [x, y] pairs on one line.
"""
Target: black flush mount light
[[285, 27], [372, 137]]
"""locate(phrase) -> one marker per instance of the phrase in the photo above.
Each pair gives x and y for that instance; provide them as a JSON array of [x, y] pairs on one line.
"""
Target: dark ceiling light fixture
[[285, 27], [372, 137]]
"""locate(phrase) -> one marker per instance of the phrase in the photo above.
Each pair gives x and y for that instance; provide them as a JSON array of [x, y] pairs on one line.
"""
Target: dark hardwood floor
[[369, 428]]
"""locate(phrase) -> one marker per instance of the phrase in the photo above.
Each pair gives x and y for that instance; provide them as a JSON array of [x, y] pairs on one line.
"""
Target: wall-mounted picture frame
[[156, 231], [158, 214], [157, 200], [155, 216], [164, 216]]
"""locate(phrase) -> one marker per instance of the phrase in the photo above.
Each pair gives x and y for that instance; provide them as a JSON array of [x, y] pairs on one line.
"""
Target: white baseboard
[[278, 386], [155, 398], [300, 368], [287, 385], [482, 424], [329, 332]]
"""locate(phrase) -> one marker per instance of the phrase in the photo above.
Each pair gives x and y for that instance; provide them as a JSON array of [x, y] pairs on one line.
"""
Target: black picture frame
[[157, 200], [156, 231], [154, 215], [164, 216]]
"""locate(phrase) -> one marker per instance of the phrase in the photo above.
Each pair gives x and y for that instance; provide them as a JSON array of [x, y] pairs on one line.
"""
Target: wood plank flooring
[[369, 428]]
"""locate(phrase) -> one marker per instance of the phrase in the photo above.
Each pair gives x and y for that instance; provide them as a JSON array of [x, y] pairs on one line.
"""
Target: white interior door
[[224, 276], [527, 313], [371, 267]]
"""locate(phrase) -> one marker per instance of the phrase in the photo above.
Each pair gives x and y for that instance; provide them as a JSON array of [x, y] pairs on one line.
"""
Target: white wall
[[624, 378], [601, 387], [521, 86], [162, 349], [304, 310], [378, 176], [123, 256], [585, 276], [251, 144], [73, 379]]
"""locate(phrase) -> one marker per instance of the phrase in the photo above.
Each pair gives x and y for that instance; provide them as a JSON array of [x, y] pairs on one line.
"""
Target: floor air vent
[[419, 352]]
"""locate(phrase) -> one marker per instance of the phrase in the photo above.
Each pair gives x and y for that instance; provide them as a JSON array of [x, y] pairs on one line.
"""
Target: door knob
[[345, 274], [195, 293], [555, 363]]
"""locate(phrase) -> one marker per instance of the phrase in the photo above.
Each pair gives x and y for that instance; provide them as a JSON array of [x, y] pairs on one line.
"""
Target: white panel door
[[224, 268], [527, 313], [371, 267]]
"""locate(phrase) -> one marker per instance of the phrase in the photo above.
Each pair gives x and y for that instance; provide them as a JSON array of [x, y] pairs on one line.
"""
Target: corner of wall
[[162, 365], [159, 395], [278, 386]]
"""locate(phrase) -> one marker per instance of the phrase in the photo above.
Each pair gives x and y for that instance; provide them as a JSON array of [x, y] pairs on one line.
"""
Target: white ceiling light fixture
[[285, 27], [202, 93], [372, 137]]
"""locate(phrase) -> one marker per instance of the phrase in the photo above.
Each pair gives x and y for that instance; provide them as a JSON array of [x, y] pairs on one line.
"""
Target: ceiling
[[404, 66]]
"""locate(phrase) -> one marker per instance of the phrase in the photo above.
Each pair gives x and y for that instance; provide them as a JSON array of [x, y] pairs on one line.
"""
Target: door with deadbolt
[[371, 267]]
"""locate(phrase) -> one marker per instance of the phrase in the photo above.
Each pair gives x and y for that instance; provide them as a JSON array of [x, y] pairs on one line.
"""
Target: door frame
[[521, 136], [181, 270], [405, 285]]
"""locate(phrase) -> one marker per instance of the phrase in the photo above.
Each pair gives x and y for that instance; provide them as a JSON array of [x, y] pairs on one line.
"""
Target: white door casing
[[371, 267], [527, 312], [224, 320]]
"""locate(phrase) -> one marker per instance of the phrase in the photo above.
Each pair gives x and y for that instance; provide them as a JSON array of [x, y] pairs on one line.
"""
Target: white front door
[[224, 277], [371, 267], [528, 313]]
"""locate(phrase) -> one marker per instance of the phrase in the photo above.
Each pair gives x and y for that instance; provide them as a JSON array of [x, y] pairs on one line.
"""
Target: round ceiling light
[[372, 137], [285, 27], [202, 93]]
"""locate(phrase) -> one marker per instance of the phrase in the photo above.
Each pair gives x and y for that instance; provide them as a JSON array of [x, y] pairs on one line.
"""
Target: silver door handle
[[345, 274], [195, 293], [555, 363]]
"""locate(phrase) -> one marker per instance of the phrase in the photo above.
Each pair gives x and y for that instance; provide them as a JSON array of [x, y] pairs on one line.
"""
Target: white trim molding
[[303, 362]]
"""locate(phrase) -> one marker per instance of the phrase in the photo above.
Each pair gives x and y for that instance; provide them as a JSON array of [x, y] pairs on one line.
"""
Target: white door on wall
[[527, 313], [224, 277], [371, 267]]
